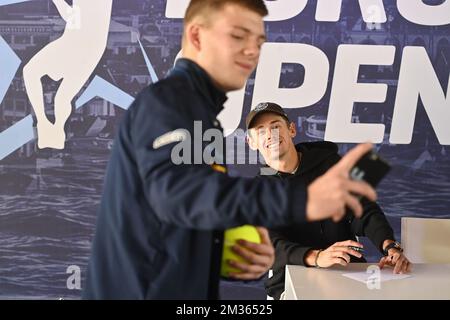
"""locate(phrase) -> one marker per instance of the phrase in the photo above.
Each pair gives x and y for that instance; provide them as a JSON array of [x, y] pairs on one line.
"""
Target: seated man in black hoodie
[[320, 244]]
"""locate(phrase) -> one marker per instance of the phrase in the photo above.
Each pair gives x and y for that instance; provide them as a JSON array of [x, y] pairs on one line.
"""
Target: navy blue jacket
[[159, 225]]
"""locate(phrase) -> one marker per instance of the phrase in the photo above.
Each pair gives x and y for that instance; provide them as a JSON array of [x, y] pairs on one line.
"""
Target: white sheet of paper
[[385, 274]]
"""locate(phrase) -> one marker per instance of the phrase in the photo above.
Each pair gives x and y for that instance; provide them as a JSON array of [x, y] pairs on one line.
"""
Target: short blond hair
[[200, 7]]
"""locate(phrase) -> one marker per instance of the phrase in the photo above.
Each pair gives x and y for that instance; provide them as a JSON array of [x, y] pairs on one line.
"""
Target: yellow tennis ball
[[246, 232]]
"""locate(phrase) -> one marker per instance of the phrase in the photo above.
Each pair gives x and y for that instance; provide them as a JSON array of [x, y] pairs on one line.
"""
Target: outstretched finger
[[354, 204], [361, 188], [351, 158]]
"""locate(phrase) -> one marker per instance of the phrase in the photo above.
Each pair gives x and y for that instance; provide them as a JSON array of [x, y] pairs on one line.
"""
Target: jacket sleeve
[[287, 252], [373, 224], [194, 195]]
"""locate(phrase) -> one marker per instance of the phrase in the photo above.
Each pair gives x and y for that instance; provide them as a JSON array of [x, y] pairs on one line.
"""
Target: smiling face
[[271, 135], [226, 44]]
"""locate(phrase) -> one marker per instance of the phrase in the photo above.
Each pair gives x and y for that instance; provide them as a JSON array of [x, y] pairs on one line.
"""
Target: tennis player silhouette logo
[[71, 58]]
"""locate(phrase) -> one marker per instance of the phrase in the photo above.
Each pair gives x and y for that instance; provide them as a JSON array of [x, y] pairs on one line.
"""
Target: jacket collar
[[202, 82]]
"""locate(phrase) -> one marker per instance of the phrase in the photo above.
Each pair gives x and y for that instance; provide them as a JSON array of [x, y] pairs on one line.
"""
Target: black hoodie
[[293, 242]]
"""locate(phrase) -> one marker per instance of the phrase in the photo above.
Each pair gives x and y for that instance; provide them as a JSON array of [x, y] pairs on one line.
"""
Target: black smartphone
[[370, 168]]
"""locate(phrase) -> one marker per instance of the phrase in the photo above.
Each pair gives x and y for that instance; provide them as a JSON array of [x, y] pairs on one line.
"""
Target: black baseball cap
[[263, 108]]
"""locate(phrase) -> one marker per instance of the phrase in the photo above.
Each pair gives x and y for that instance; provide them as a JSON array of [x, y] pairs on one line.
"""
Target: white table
[[428, 281]]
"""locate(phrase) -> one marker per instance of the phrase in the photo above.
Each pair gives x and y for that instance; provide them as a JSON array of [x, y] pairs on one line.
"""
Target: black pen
[[357, 249]]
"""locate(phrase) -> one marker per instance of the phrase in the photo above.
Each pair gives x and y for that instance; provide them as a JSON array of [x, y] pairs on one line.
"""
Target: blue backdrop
[[48, 198]]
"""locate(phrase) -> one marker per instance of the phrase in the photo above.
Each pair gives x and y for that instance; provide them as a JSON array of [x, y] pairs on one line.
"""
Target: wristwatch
[[393, 245]]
